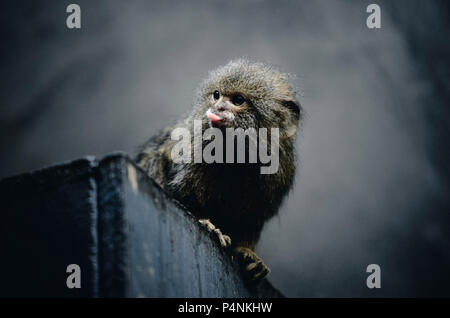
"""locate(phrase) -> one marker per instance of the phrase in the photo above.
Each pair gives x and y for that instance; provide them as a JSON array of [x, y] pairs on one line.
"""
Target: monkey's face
[[224, 108], [244, 94]]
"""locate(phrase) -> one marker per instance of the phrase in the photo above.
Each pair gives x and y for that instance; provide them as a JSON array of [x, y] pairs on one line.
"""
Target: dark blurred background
[[373, 178]]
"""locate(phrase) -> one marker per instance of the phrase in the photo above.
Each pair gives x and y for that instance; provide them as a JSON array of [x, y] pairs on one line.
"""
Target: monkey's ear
[[295, 110], [293, 106]]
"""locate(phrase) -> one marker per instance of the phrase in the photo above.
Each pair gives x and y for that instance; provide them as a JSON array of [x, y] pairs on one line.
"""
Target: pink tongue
[[214, 118]]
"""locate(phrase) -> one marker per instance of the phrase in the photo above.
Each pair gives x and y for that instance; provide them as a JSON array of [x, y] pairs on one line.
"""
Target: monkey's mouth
[[220, 119]]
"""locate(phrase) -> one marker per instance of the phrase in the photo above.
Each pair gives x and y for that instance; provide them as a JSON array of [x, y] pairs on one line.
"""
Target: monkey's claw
[[224, 240], [251, 265]]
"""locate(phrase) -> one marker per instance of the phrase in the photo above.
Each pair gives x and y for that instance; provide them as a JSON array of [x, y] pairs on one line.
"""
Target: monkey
[[234, 198]]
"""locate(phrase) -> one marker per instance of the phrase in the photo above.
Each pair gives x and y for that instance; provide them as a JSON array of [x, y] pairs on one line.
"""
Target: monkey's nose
[[221, 107]]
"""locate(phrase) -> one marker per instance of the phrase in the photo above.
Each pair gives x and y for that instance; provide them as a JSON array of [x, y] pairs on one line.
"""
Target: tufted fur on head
[[272, 99]]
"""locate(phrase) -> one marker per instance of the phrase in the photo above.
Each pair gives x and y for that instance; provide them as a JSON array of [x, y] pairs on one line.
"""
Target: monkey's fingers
[[224, 240], [258, 271], [252, 266], [207, 223], [245, 255]]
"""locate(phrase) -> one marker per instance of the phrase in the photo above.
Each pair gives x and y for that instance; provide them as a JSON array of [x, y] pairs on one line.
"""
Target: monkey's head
[[245, 94]]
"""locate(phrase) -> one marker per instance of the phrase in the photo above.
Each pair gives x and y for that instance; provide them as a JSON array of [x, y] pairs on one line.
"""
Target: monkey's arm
[[154, 157]]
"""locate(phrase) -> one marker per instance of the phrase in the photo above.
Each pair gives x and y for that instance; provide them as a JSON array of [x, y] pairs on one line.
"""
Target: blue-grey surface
[[151, 247], [373, 183], [49, 220], [128, 238]]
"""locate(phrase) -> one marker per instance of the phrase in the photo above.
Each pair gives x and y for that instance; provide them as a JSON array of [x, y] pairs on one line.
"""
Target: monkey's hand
[[251, 265], [224, 240]]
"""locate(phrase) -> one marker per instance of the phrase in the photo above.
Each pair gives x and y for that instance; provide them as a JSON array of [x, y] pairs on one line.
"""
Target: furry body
[[237, 198]]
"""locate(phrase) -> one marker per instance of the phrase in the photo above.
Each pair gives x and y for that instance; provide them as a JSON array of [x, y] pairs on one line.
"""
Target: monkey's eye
[[238, 100], [216, 95]]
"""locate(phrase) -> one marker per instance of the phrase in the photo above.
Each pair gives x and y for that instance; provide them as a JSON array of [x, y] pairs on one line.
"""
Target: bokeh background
[[373, 177]]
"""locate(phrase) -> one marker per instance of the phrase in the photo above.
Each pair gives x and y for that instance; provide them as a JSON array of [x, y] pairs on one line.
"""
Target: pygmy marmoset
[[236, 197]]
